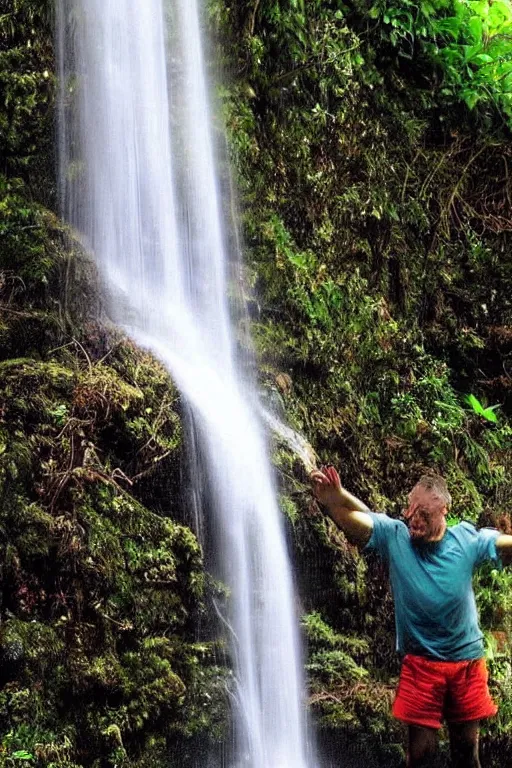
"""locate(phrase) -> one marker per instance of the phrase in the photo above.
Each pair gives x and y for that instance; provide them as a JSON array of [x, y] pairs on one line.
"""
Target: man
[[443, 674]]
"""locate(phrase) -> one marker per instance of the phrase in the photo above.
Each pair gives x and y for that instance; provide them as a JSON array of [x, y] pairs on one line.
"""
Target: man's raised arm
[[347, 511]]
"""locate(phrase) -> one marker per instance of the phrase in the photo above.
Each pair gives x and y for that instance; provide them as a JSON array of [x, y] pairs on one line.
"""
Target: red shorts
[[429, 691]]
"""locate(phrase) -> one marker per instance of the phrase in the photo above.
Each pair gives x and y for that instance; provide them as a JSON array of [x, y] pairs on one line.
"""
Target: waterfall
[[139, 183]]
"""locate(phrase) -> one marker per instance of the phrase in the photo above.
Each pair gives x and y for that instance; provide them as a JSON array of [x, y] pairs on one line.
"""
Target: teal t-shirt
[[435, 608]]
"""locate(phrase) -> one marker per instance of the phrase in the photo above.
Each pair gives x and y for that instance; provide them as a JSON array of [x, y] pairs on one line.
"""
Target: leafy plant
[[469, 40], [331, 658], [487, 413]]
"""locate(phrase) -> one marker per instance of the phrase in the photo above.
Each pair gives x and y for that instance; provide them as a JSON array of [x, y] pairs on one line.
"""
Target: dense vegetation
[[371, 143]]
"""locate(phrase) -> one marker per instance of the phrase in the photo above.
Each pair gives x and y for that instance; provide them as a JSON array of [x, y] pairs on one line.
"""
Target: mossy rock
[[101, 588]]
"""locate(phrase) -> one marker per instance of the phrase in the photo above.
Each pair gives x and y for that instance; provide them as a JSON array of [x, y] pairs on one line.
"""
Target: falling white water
[[139, 182], [294, 441]]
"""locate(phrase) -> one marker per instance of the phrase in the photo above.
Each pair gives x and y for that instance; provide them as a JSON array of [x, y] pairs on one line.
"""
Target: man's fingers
[[333, 476], [325, 476], [320, 481]]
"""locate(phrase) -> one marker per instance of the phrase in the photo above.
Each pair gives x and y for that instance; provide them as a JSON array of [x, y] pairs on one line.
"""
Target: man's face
[[425, 515]]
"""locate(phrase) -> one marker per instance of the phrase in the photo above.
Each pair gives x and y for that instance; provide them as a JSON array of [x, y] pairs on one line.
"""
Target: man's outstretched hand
[[326, 485], [347, 511]]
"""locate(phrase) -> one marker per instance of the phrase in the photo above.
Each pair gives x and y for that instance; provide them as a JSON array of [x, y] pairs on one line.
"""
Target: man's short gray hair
[[437, 486]]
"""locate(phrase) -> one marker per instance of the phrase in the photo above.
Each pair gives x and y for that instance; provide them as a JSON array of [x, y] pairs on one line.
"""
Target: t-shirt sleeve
[[486, 547], [482, 544], [383, 528]]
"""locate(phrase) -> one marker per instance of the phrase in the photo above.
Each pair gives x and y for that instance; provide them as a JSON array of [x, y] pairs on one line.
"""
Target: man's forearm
[[351, 503], [348, 512], [356, 523]]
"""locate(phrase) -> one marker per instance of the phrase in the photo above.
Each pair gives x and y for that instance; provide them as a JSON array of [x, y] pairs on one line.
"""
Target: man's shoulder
[[383, 520], [464, 528], [468, 532], [387, 532]]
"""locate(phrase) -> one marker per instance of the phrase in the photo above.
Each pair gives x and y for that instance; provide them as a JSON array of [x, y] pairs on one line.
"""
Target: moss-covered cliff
[[102, 588], [376, 217]]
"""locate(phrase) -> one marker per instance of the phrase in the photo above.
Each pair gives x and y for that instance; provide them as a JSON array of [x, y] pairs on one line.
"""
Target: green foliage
[[486, 413], [371, 148], [27, 83], [23, 233], [493, 588], [331, 654], [288, 508], [467, 40], [341, 693]]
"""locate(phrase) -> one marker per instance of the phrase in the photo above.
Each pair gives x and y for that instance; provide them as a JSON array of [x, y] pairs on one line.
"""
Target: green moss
[[289, 509], [101, 586]]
